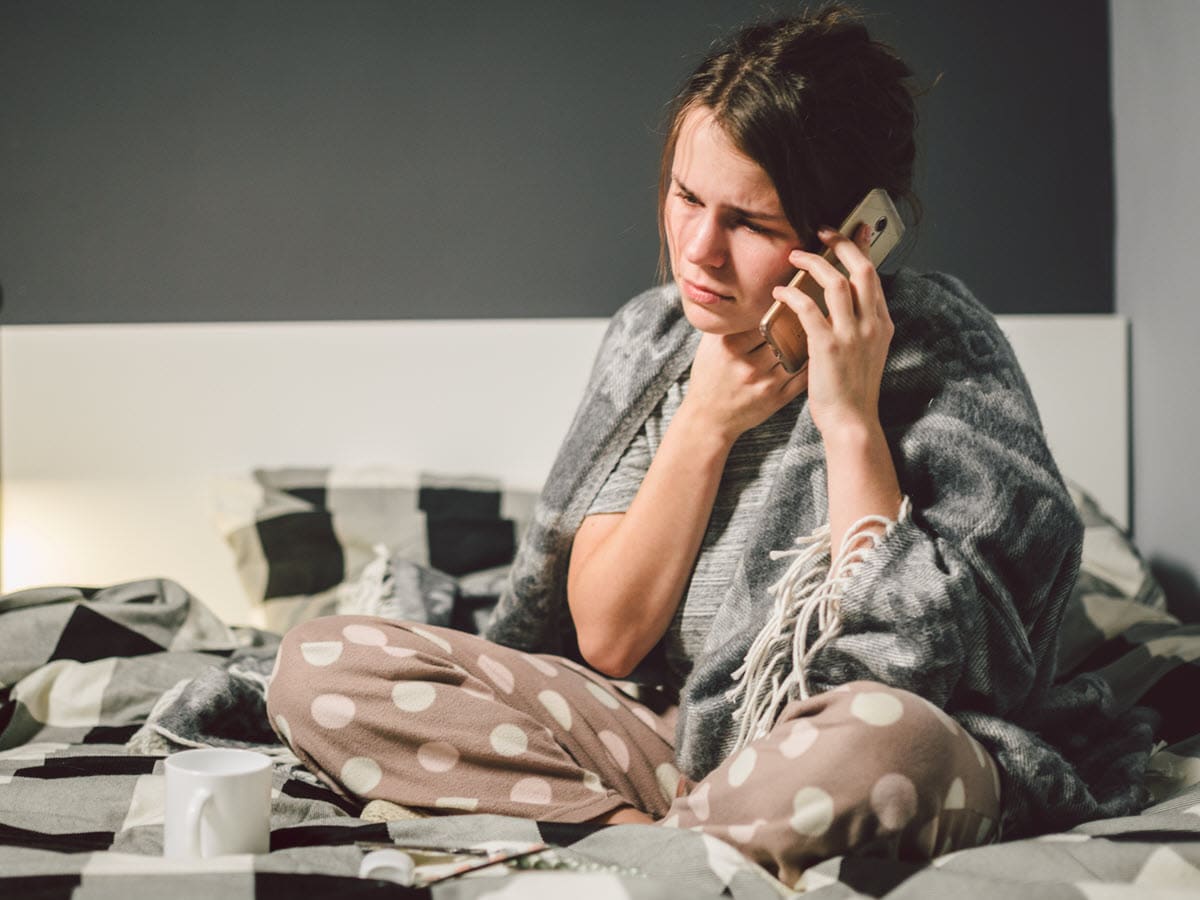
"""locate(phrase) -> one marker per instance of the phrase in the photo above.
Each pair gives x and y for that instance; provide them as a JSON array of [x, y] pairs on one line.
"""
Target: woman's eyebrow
[[744, 213]]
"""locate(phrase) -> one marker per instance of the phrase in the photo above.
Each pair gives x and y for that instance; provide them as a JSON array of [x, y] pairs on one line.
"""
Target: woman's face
[[727, 236]]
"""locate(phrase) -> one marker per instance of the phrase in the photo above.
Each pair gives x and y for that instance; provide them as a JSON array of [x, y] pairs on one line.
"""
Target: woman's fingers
[[736, 382], [853, 257], [848, 348], [746, 342], [795, 384], [839, 297], [764, 360], [812, 319], [856, 306]]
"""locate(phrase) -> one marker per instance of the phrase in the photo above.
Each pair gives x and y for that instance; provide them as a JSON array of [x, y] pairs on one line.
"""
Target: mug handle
[[195, 810], [388, 865]]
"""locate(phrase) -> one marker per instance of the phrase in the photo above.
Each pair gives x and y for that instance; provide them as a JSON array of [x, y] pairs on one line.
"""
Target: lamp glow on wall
[[27, 548], [30, 514], [65, 532]]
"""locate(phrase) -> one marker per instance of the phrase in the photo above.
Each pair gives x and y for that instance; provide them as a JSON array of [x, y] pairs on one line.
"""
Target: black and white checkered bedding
[[303, 537], [81, 816], [87, 675]]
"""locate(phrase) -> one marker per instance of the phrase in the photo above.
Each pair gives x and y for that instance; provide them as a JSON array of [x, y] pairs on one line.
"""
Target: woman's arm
[[848, 351], [628, 571], [960, 602]]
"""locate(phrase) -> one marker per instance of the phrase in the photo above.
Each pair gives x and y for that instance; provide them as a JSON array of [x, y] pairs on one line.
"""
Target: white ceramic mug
[[218, 802]]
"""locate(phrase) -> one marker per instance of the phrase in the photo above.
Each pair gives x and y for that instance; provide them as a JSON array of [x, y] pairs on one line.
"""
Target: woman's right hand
[[629, 571], [737, 383]]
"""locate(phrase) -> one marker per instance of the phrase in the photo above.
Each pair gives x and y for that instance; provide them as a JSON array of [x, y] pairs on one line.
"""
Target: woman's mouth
[[702, 295]]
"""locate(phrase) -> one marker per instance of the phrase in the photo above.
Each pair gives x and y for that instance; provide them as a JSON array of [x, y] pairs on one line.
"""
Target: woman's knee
[[346, 655], [864, 768], [292, 680], [898, 731], [318, 656], [905, 763]]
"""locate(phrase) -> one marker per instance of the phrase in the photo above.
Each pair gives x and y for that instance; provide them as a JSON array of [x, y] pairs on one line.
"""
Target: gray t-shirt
[[745, 482]]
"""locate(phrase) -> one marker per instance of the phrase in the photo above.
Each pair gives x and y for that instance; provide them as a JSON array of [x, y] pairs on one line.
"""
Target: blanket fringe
[[365, 594], [810, 587]]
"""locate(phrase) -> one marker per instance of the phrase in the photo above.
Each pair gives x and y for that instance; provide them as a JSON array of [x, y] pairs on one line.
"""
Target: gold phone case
[[780, 327]]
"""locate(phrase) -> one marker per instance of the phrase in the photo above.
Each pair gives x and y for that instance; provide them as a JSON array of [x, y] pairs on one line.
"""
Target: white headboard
[[112, 435]]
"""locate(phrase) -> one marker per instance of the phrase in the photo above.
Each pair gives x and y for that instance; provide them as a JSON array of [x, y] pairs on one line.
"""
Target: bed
[[176, 495]]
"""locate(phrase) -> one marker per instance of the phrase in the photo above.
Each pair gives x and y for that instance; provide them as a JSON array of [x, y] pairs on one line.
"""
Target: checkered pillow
[[1114, 591], [307, 532], [1117, 625]]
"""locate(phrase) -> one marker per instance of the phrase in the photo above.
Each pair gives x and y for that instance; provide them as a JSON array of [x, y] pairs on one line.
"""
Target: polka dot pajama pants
[[441, 720]]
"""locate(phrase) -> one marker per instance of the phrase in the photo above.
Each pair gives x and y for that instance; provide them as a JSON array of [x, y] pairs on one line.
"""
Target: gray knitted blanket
[[960, 603]]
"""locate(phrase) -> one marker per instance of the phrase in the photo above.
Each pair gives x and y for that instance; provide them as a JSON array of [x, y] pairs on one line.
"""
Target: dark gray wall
[[165, 160]]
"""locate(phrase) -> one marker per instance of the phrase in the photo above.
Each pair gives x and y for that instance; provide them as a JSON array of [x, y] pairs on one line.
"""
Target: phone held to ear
[[781, 327]]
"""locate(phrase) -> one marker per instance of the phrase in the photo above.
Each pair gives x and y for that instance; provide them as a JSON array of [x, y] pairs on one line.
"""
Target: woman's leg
[[864, 769], [439, 719]]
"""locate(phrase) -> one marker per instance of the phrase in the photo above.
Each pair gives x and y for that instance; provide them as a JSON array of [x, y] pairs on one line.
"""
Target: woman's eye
[[689, 199]]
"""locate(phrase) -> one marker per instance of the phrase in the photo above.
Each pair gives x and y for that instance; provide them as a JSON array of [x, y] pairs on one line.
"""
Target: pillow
[[1114, 591], [302, 537], [1117, 626]]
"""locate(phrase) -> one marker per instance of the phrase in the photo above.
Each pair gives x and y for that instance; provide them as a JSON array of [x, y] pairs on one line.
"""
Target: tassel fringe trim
[[811, 587], [365, 594]]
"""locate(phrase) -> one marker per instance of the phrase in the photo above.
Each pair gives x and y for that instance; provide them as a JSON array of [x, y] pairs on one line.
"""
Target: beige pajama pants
[[438, 719]]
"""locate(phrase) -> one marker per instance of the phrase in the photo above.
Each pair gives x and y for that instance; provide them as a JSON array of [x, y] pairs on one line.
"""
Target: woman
[[880, 685]]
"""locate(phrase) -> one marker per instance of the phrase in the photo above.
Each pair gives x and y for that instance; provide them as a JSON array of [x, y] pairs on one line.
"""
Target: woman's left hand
[[847, 350]]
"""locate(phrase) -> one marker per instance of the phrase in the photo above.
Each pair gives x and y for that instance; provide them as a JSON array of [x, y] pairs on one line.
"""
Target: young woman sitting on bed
[[884, 684]]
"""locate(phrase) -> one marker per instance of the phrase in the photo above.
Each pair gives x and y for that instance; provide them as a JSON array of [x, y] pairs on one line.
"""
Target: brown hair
[[827, 112]]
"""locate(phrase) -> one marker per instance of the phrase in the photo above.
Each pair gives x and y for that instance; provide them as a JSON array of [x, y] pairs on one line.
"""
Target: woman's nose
[[705, 244]]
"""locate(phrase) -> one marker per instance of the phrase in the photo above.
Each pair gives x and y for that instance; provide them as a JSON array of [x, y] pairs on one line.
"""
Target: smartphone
[[781, 327]]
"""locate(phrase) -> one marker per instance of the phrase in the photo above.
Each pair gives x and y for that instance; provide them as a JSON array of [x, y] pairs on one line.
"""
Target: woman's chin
[[716, 320]]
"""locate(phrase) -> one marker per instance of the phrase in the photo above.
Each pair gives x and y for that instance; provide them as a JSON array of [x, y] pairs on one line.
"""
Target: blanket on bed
[[961, 603], [84, 671]]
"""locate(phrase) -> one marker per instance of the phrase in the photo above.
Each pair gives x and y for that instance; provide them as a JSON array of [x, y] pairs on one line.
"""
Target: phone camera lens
[[880, 223]]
